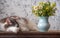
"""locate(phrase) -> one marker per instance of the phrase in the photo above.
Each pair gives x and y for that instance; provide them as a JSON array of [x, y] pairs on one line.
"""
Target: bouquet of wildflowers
[[44, 9]]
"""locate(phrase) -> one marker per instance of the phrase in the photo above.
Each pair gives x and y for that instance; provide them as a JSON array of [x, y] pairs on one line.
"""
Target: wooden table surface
[[49, 34]]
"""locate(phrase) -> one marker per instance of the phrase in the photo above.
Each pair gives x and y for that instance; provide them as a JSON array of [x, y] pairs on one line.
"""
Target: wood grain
[[48, 34]]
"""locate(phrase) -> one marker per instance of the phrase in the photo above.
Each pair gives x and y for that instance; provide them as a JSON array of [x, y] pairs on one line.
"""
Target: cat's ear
[[8, 21]]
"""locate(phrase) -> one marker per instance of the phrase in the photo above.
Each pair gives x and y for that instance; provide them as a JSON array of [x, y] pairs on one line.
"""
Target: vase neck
[[45, 19]]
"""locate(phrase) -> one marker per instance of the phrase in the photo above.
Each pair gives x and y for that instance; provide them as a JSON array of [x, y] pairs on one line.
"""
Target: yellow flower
[[35, 7], [47, 8], [53, 4], [44, 7], [40, 7]]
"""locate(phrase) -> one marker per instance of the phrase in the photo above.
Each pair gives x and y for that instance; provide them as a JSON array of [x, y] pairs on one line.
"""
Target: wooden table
[[50, 34]]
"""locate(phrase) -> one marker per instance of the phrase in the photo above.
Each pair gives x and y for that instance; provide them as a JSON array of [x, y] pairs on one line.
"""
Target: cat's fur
[[9, 25], [27, 25], [23, 24]]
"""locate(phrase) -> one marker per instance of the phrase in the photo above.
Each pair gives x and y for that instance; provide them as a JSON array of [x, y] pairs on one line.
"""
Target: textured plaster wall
[[22, 8]]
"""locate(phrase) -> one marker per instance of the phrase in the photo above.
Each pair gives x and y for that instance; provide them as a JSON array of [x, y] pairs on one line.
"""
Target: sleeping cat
[[25, 24], [15, 24]]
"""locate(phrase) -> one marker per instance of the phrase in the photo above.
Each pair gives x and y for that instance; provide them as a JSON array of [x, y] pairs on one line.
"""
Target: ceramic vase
[[43, 24]]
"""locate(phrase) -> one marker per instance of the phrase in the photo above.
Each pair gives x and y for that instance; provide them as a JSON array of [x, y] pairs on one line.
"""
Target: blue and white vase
[[43, 24]]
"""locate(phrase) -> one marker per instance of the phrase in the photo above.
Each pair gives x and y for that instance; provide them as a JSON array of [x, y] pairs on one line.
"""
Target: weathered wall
[[23, 8]]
